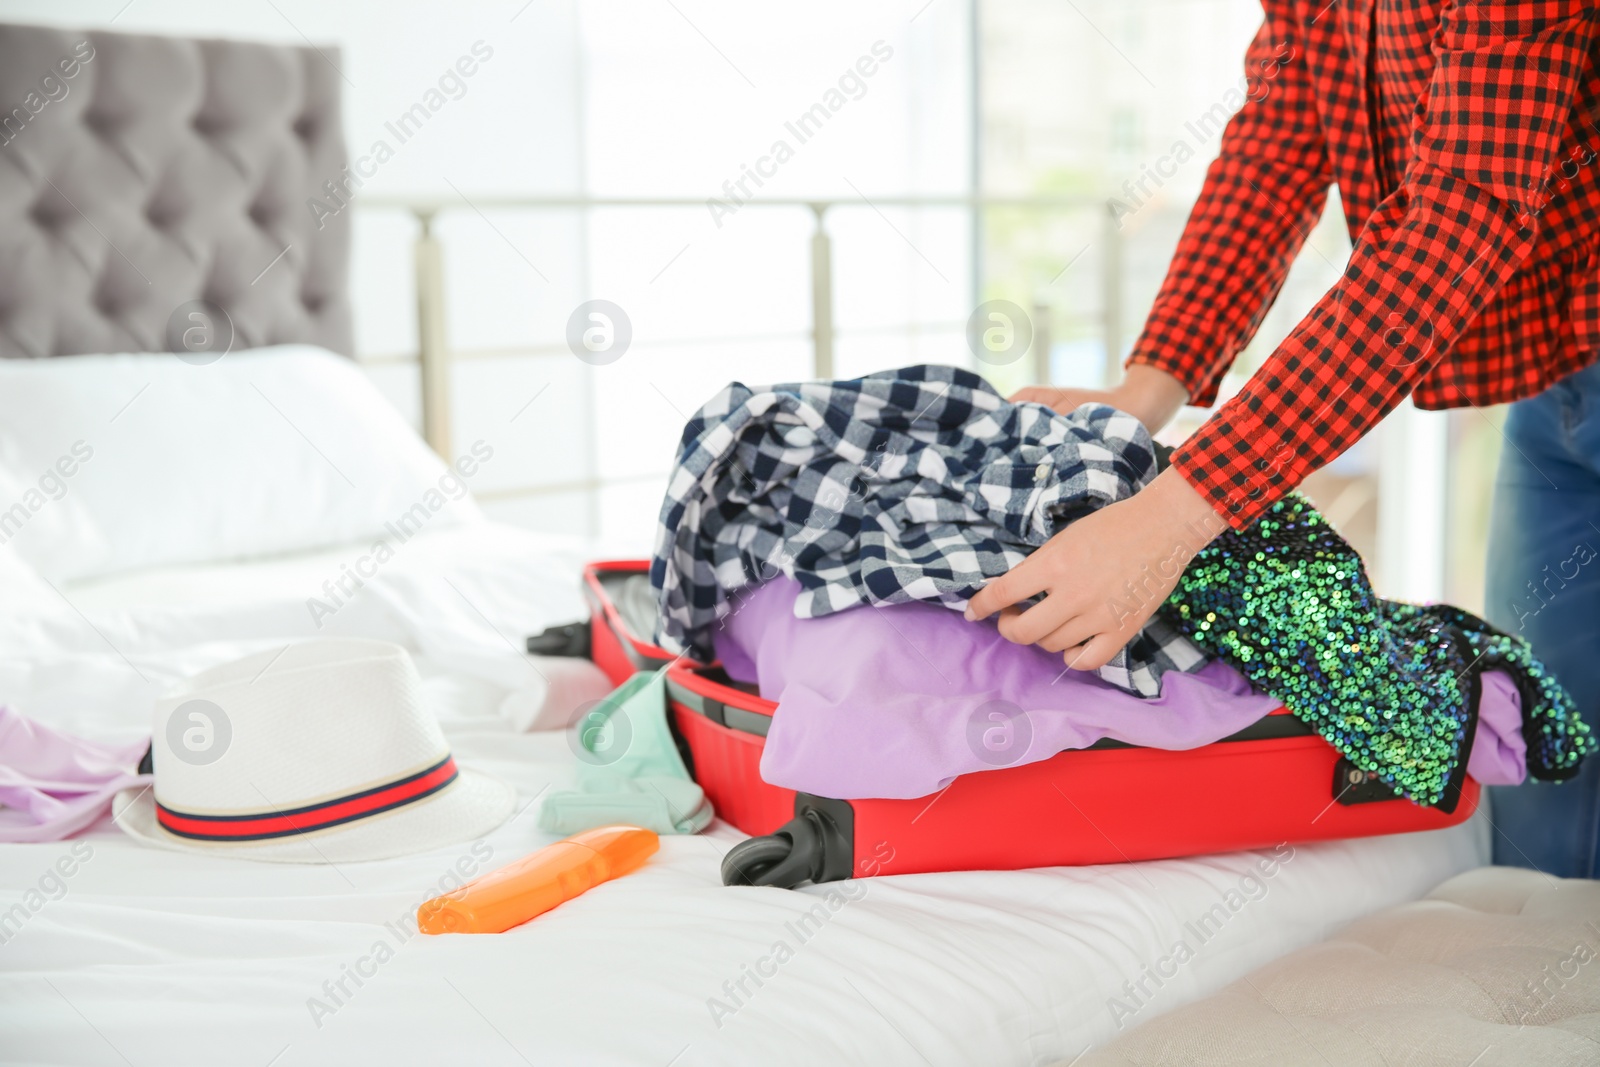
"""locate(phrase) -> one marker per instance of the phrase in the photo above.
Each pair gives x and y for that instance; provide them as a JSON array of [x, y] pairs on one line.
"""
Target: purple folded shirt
[[898, 700]]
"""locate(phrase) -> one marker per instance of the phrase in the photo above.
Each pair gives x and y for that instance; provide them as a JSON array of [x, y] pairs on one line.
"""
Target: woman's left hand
[[1104, 575]]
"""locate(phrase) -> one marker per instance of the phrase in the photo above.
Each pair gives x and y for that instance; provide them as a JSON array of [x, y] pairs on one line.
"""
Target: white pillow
[[117, 462]]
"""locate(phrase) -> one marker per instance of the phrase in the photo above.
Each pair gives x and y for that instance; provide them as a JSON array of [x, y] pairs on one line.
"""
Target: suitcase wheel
[[784, 859]]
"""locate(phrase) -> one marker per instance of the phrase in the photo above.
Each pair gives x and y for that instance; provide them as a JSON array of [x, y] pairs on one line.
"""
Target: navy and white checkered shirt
[[912, 484]]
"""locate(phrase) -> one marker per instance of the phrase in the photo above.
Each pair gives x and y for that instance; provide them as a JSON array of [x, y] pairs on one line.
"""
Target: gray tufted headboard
[[140, 175]]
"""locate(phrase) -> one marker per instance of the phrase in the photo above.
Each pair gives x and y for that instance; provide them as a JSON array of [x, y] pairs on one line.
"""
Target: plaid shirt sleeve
[[1262, 195], [1433, 253]]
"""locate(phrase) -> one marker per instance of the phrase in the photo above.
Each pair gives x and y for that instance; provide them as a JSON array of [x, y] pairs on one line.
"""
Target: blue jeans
[[1544, 583]]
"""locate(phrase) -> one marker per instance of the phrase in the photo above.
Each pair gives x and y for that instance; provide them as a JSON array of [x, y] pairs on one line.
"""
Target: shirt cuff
[[1169, 343], [1238, 464]]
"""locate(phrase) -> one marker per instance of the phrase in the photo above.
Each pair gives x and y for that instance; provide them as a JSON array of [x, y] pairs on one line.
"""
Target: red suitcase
[[1276, 781]]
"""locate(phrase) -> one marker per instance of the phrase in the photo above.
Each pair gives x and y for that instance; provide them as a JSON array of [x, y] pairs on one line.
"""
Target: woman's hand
[[1149, 395], [1104, 575]]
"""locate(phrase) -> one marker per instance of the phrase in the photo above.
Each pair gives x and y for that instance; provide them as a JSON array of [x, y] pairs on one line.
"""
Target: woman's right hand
[[1152, 396], [1066, 400]]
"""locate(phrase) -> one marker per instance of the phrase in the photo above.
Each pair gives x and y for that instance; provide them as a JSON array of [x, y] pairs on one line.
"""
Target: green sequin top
[[1392, 686]]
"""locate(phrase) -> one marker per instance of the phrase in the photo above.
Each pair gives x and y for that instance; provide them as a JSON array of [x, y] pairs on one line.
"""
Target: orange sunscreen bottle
[[534, 884]]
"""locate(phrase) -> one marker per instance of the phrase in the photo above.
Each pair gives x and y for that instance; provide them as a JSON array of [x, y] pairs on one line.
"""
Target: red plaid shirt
[[1464, 140]]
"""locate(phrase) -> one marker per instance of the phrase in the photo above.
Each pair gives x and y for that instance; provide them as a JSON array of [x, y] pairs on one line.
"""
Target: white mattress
[[156, 957]]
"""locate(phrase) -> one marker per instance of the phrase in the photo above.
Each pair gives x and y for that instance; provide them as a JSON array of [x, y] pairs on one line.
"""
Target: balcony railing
[[434, 353]]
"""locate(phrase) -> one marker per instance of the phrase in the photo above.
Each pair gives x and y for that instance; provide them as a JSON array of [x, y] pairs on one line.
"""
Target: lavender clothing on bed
[[53, 784], [898, 700]]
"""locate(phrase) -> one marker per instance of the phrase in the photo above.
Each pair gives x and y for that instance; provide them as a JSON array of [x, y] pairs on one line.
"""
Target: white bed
[[157, 957], [125, 473]]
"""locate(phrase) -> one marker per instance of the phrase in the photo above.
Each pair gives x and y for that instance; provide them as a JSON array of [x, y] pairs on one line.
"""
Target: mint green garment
[[629, 770]]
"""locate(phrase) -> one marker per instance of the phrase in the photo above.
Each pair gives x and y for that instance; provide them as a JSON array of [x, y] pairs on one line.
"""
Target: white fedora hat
[[321, 752]]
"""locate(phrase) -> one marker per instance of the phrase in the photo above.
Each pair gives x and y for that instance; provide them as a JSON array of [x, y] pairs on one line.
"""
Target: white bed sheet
[[155, 957]]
